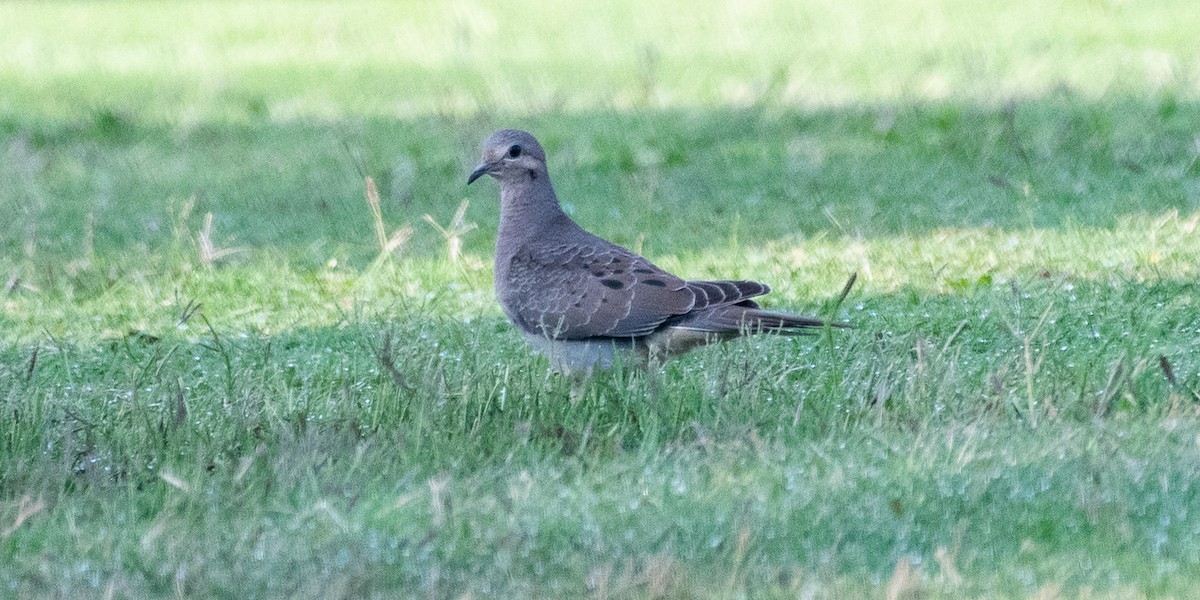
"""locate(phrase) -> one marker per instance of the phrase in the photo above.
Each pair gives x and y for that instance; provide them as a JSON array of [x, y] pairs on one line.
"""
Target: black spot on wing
[[655, 282], [613, 284]]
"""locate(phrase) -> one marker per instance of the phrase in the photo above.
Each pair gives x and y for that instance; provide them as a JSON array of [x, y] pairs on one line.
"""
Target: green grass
[[1017, 413]]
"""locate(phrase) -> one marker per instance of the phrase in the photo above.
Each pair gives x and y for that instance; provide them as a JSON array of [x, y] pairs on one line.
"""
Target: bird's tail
[[747, 319]]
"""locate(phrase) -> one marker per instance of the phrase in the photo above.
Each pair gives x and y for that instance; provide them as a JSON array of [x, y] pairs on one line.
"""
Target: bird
[[588, 304]]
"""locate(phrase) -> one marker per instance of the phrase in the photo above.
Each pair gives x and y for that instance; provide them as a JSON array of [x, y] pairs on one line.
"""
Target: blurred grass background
[[237, 63], [1017, 185], [281, 102]]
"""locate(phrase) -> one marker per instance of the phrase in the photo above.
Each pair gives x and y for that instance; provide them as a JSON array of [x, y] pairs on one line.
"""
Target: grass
[[213, 383]]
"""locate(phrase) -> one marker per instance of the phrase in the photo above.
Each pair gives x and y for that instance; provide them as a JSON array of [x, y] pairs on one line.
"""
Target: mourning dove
[[586, 303]]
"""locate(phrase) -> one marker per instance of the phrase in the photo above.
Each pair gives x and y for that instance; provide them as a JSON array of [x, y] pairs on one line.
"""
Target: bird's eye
[[514, 151]]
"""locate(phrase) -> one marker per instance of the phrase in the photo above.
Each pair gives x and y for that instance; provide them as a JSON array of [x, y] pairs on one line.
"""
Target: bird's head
[[511, 155]]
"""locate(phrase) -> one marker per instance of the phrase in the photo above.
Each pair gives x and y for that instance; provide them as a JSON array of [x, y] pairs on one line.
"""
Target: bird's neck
[[526, 209]]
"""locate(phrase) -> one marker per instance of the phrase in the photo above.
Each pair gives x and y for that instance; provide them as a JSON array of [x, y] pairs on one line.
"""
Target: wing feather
[[572, 292]]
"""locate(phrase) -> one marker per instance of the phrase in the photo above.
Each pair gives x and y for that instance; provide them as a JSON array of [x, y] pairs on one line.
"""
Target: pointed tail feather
[[759, 320], [745, 320]]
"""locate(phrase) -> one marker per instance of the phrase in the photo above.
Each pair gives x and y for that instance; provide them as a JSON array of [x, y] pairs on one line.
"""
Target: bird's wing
[[715, 294], [582, 291], [573, 292]]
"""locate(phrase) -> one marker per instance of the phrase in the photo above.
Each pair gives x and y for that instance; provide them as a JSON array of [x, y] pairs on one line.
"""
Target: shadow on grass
[[1067, 352], [668, 181]]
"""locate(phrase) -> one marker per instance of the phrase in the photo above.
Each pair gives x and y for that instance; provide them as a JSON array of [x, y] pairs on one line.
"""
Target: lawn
[[214, 382]]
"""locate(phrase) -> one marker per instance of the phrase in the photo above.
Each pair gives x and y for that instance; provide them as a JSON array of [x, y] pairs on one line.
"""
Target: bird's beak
[[479, 171]]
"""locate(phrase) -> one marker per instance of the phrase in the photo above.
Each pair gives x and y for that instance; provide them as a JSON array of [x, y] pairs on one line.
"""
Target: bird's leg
[[579, 385], [651, 357], [654, 375]]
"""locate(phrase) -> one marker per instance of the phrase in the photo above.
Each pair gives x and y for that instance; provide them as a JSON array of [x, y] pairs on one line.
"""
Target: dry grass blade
[[387, 244], [439, 499], [454, 231], [31, 366], [26, 509], [1169, 373], [846, 288], [175, 481], [397, 240], [905, 581], [385, 355], [209, 252], [376, 213], [1032, 365]]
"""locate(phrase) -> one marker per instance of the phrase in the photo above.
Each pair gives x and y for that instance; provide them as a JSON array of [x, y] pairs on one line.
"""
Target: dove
[[587, 303]]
